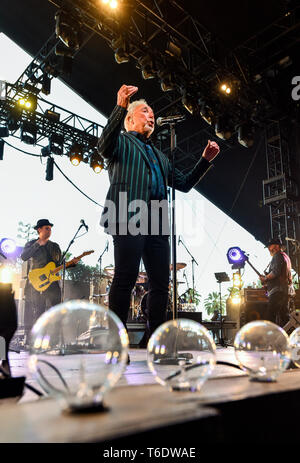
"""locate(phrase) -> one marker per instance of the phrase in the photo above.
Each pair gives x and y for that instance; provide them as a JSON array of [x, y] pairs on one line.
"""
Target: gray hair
[[131, 108]]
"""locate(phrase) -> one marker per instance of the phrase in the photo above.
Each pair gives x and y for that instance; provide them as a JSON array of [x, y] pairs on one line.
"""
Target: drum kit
[[140, 292]]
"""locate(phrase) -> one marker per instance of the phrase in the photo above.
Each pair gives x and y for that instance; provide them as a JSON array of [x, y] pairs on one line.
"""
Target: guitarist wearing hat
[[39, 253], [278, 282]]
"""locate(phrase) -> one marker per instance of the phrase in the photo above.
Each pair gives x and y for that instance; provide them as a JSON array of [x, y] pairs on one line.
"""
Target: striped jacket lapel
[[139, 145]]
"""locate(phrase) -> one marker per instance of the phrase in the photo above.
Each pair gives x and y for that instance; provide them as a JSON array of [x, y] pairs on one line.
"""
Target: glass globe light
[[262, 350], [295, 346], [78, 351], [181, 355]]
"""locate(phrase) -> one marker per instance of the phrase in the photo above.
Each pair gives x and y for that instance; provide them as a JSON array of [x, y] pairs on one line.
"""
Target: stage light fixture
[[8, 246], [236, 299], [56, 144], [246, 135], [52, 115], [46, 85], [28, 133], [166, 81], [236, 256], [146, 64], [113, 4], [237, 280], [4, 132], [173, 50], [225, 88], [189, 102], [6, 275], [28, 102], [45, 151], [68, 29], [49, 169], [121, 49], [222, 128], [207, 114], [76, 154], [14, 117], [96, 162]]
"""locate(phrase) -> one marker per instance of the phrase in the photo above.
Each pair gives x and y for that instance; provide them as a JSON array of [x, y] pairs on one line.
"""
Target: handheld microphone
[[83, 224], [169, 119]]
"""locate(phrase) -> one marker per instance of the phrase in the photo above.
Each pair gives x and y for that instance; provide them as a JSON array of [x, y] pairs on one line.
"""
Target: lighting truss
[[69, 126], [197, 67]]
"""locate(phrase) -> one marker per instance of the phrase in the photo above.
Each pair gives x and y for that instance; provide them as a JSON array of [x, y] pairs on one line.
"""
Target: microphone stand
[[174, 358], [64, 261], [100, 264], [193, 268], [173, 219]]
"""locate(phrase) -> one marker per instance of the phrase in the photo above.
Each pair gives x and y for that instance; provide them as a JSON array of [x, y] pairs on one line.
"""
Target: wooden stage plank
[[136, 409], [132, 410]]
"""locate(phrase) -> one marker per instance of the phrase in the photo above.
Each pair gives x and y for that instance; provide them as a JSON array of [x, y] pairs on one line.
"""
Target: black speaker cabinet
[[251, 311]]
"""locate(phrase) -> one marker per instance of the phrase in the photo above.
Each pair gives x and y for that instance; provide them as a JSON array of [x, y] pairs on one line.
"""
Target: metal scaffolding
[[281, 189]]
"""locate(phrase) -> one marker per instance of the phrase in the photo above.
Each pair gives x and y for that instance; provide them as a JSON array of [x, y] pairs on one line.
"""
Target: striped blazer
[[129, 168]]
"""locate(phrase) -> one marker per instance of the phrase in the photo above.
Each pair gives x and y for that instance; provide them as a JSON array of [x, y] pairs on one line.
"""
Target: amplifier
[[254, 310], [255, 295]]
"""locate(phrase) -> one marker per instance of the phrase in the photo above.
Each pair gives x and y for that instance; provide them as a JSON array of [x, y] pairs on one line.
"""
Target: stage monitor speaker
[[252, 311]]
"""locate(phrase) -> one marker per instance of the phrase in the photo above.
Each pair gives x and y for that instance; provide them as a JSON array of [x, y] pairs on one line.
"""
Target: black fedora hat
[[274, 241], [41, 222]]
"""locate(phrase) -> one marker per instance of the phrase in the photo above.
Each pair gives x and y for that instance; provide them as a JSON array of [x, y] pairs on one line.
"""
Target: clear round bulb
[[181, 355], [78, 351], [295, 346], [262, 350]]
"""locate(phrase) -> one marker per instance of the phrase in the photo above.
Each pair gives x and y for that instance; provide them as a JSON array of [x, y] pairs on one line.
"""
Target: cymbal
[[109, 271], [179, 266]]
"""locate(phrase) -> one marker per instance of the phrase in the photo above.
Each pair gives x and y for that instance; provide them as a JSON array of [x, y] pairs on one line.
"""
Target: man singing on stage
[[140, 173], [278, 281]]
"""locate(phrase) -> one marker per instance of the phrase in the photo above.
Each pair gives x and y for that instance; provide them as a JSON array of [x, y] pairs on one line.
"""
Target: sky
[[26, 196]]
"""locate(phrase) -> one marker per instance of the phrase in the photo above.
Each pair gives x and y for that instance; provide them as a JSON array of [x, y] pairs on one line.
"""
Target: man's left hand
[[262, 279], [211, 150]]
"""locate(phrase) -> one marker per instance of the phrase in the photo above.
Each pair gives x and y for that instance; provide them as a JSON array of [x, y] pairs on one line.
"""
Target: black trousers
[[128, 251], [278, 308], [37, 303]]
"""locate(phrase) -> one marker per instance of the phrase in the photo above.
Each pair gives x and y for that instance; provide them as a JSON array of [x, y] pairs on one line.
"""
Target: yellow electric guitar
[[41, 278]]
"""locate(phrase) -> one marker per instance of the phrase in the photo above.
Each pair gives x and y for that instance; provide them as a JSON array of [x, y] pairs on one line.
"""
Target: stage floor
[[136, 374]]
